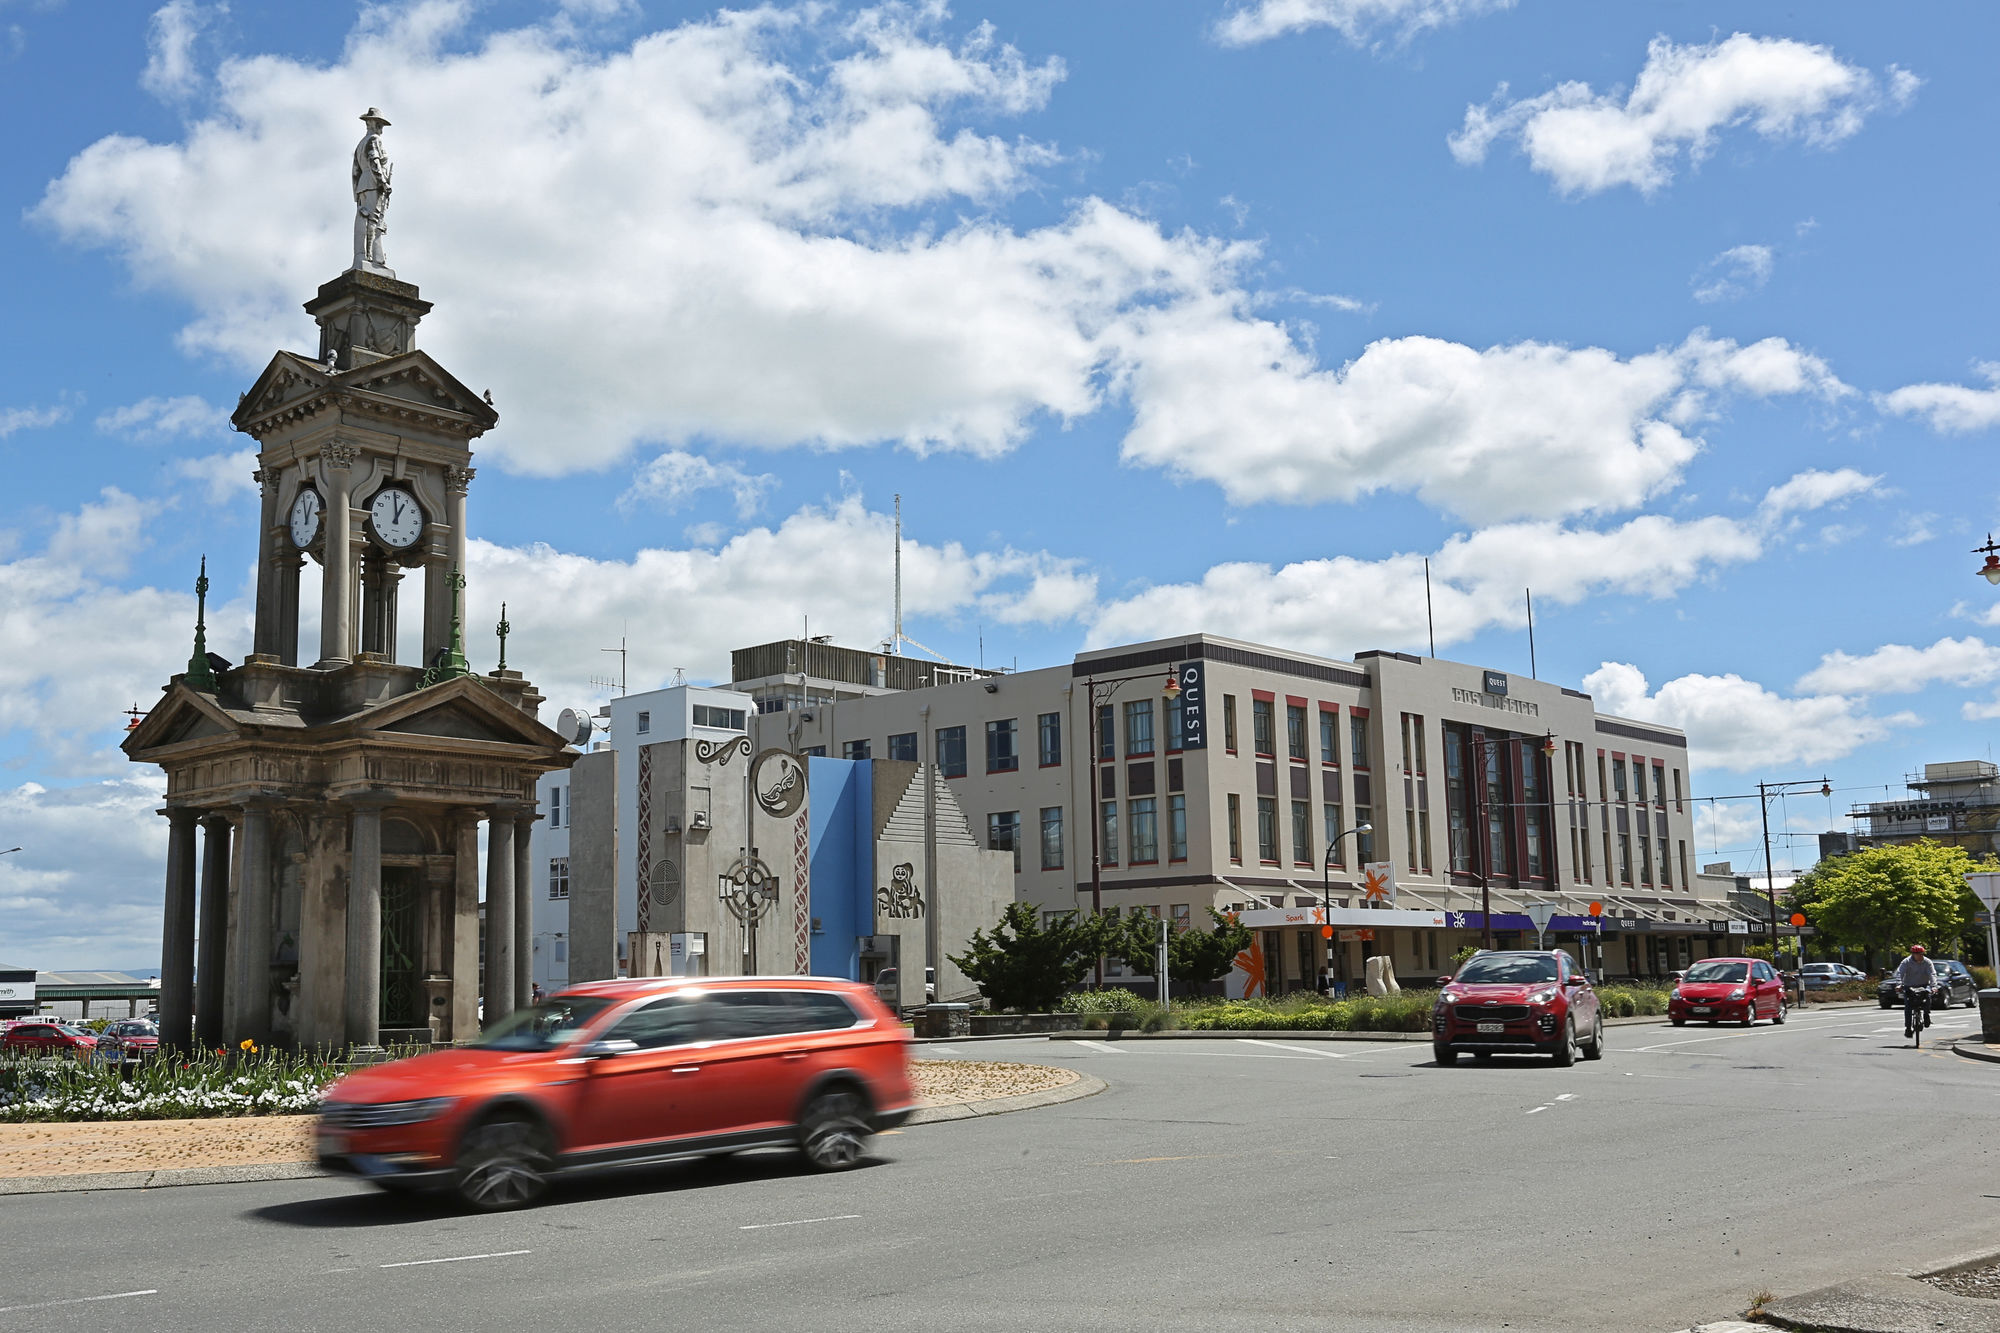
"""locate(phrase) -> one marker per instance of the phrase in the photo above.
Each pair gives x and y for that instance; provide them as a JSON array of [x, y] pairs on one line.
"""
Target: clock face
[[305, 518], [397, 518]]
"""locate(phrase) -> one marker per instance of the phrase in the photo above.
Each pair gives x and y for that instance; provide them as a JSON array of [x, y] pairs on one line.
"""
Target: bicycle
[[1916, 1013]]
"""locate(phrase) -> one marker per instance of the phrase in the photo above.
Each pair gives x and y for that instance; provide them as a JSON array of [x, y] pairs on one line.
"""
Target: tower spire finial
[[450, 662], [503, 629], [201, 675]]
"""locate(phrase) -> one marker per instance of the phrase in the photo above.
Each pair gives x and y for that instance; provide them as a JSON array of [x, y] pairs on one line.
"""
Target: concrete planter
[[988, 1025]]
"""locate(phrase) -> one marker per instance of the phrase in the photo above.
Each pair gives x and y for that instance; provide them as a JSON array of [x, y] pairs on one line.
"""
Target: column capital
[[339, 454], [180, 813], [458, 479]]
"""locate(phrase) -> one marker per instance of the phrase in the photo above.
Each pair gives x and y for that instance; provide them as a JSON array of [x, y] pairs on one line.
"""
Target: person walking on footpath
[[1916, 977]]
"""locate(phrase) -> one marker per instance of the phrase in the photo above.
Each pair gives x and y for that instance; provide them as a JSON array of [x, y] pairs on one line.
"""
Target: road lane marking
[[1538, 1108], [1565, 1096], [456, 1259], [1101, 1046], [1732, 1036], [948, 1050], [1281, 1046], [80, 1300], [801, 1222]]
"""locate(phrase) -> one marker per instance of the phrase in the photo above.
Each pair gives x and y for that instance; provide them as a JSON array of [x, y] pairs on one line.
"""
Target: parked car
[[1825, 976], [628, 1073], [1955, 986], [1523, 1001], [43, 1037], [1739, 990], [127, 1041]]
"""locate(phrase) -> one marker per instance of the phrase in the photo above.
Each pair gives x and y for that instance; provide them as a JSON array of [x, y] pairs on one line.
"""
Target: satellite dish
[[573, 725]]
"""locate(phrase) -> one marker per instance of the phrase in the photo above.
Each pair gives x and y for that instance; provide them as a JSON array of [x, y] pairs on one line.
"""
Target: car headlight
[[406, 1113], [1674, 994], [1544, 996], [1736, 994]]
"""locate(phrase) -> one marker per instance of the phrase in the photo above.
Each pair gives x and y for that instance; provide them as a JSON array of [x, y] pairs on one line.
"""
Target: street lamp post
[[1326, 890]]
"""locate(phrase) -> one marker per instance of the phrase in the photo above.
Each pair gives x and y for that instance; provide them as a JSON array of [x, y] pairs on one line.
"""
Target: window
[[1052, 837], [1229, 723], [1457, 803], [1677, 802], [854, 750], [1618, 779], [1330, 827], [1003, 834], [1267, 829], [1499, 805], [1424, 840], [1531, 803], [555, 807], [1235, 827], [1183, 916], [558, 878], [1364, 843], [1176, 729], [1417, 730], [1660, 784], [645, 722], [1666, 866], [1177, 827], [562, 950], [1405, 732], [1050, 727], [1264, 726], [1683, 848], [1145, 833], [1108, 822], [1645, 859], [815, 752], [674, 1020], [1603, 788], [903, 747], [1107, 732], [953, 751], [1329, 736], [723, 719], [1624, 858], [1001, 754], [1638, 779], [1139, 727], [1357, 740], [1295, 731], [1302, 826]]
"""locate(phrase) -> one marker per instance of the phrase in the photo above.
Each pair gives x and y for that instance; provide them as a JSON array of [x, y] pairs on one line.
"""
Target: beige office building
[[1241, 789]]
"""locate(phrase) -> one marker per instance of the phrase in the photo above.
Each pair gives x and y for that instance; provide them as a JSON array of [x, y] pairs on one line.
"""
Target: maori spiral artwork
[[645, 836], [779, 780], [712, 752], [802, 894], [901, 901]]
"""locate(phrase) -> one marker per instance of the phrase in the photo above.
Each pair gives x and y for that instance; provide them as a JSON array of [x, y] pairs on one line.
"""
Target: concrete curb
[[1974, 1048], [84, 1181], [1084, 1086]]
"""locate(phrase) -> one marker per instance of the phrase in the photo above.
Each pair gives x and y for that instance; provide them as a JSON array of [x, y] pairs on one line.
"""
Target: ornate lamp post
[[1990, 571], [749, 890]]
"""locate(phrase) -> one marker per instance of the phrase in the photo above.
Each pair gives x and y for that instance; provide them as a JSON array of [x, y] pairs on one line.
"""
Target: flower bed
[[211, 1083]]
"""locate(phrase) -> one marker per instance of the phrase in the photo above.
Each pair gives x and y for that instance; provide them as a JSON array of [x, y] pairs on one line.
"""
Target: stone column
[[336, 602], [500, 999], [456, 481], [250, 986], [269, 543], [379, 578], [462, 943], [362, 1007], [212, 935], [177, 935], [524, 909], [289, 567]]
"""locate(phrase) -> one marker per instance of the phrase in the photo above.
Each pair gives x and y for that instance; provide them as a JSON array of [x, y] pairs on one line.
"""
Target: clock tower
[[338, 792]]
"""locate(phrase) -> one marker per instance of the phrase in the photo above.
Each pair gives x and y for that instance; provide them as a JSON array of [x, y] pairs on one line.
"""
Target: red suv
[[628, 1073], [1522, 1001]]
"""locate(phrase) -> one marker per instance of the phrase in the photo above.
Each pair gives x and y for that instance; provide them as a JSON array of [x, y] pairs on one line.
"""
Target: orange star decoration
[[1251, 964], [1375, 884]]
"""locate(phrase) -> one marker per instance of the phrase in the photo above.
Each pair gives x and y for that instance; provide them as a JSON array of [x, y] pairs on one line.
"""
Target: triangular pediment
[[289, 378], [461, 709], [450, 720], [183, 715], [416, 379]]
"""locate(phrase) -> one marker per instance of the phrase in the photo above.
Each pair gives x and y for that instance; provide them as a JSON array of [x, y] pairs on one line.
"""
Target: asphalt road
[[1216, 1185]]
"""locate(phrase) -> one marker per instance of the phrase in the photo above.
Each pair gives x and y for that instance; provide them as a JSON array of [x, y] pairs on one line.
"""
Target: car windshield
[[1507, 970], [1718, 972], [544, 1026]]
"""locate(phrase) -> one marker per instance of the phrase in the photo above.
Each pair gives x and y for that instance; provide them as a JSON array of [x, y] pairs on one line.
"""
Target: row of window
[[1301, 832], [1003, 753], [728, 719]]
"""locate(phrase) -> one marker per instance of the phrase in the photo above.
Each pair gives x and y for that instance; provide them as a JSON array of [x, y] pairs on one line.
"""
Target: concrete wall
[[593, 909]]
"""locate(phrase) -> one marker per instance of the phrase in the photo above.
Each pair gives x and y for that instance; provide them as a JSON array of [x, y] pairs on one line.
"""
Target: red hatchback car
[[628, 1073], [43, 1037], [1738, 990], [1521, 1002]]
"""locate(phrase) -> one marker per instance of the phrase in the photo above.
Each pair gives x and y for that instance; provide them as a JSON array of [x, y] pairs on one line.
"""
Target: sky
[[1214, 317]]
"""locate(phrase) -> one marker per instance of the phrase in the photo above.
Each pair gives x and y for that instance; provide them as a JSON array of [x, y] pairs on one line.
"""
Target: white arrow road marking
[[1100, 1046], [1538, 1108], [1281, 1046], [1565, 1096], [456, 1259]]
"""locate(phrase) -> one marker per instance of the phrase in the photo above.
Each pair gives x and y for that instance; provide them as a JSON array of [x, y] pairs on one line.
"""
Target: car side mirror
[[598, 1050], [1577, 979]]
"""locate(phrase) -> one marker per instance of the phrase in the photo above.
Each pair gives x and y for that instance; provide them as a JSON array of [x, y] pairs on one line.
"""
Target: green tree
[[1193, 956], [1027, 965], [1888, 898]]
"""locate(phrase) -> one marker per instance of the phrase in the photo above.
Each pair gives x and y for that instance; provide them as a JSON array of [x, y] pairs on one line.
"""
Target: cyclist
[[1917, 977]]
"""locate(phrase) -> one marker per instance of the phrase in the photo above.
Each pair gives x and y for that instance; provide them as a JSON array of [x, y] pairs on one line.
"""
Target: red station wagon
[[628, 1073]]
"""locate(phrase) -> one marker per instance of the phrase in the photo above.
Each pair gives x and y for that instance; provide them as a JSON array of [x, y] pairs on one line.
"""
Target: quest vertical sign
[[1194, 706]]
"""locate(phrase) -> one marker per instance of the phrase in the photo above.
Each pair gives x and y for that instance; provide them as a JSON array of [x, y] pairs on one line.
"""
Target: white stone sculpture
[[371, 195]]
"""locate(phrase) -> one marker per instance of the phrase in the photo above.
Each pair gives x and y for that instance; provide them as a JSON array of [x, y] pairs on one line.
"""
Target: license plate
[[1701, 1008], [1492, 1027]]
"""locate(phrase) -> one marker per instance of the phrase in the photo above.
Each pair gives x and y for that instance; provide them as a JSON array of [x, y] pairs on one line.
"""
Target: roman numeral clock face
[[397, 518]]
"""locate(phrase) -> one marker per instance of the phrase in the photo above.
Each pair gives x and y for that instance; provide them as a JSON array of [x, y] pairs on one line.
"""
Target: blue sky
[[1215, 316]]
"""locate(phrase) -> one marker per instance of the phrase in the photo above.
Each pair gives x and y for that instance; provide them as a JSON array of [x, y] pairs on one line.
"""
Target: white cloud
[[165, 418], [1951, 409], [1528, 430], [223, 477], [14, 419], [674, 478], [1734, 273], [1685, 95], [1897, 668], [1737, 724], [84, 890], [1916, 529], [171, 73], [1725, 825], [1359, 21], [1341, 605]]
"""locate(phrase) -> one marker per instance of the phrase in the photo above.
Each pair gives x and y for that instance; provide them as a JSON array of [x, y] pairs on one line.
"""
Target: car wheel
[[834, 1131], [503, 1163], [1779, 1017], [1595, 1050], [1887, 1005], [1566, 1052], [1678, 1022], [1445, 1054], [1749, 1014], [1972, 1000]]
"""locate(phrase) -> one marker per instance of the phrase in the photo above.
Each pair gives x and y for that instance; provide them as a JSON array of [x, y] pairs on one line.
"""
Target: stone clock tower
[[339, 792]]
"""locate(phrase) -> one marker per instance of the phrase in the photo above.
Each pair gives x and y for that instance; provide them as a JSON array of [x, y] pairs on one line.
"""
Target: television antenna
[[896, 636], [606, 684]]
